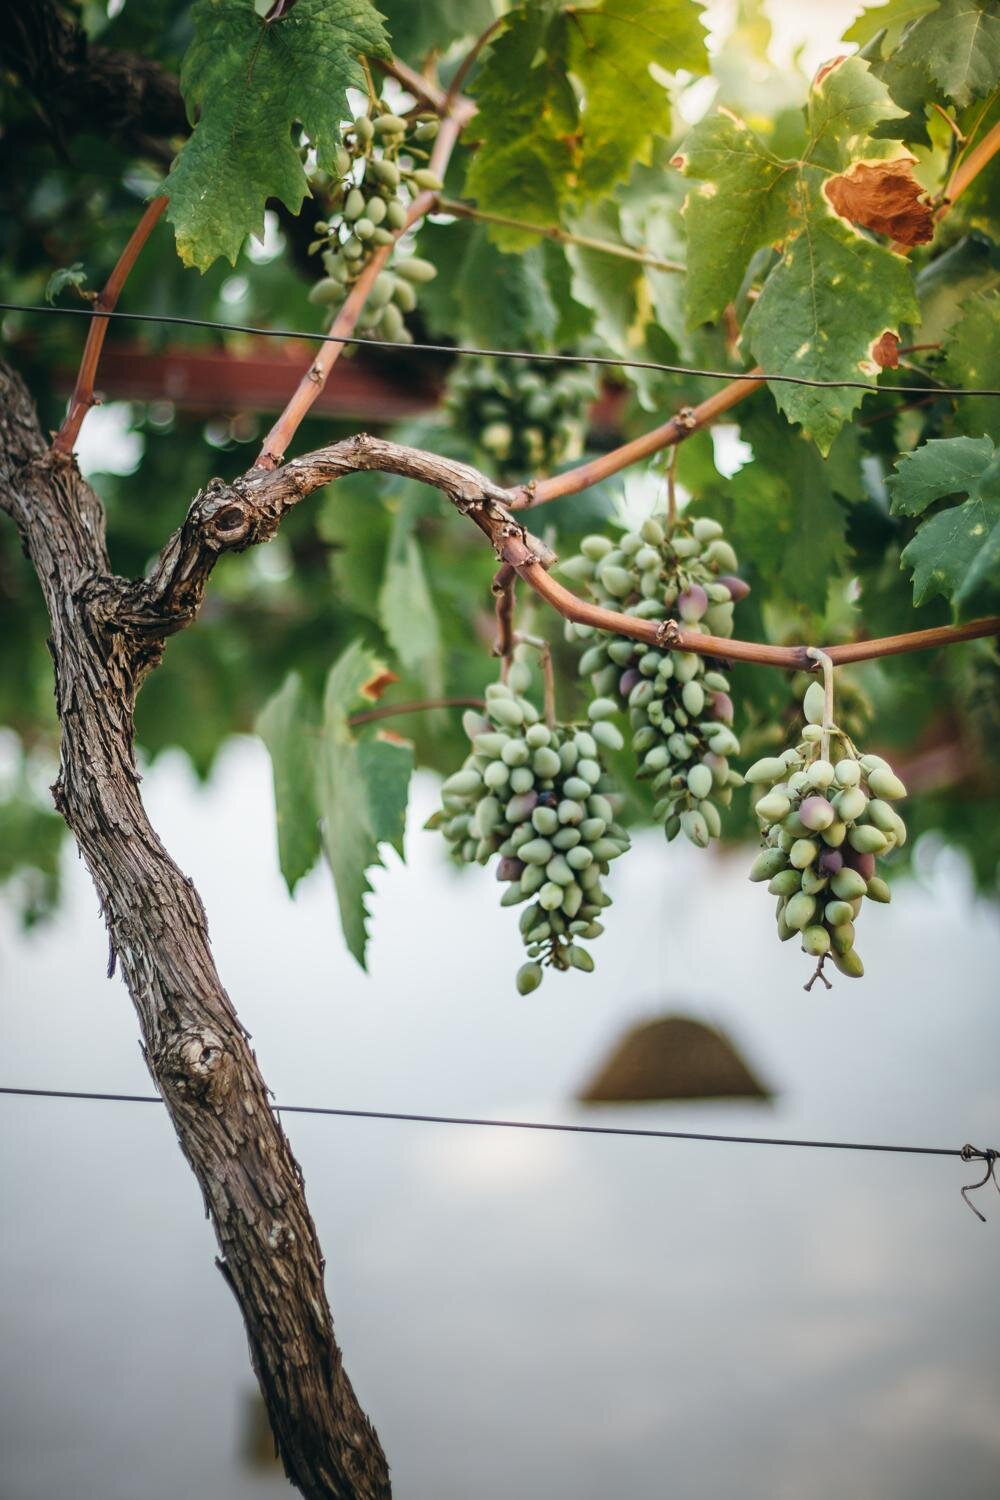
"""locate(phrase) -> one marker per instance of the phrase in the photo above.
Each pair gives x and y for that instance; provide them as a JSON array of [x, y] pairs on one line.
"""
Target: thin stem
[[462, 72], [672, 488], [970, 167], [503, 589], [548, 672], [561, 236], [690, 419], [83, 397], [309, 387], [951, 124], [424, 89], [822, 660], [418, 706]]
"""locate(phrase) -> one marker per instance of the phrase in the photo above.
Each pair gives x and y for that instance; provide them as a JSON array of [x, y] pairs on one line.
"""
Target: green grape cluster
[[824, 820], [538, 797], [523, 416], [366, 203], [678, 703]]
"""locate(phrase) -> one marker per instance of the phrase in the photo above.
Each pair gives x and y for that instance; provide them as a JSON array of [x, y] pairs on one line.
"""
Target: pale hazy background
[[528, 1315]]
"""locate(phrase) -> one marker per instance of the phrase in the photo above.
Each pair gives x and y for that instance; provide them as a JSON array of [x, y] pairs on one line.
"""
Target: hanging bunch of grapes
[[379, 167], [678, 703], [826, 814], [521, 416], [536, 797]]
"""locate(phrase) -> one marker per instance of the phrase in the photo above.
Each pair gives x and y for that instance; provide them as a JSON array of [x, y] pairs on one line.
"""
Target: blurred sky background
[[522, 1314]]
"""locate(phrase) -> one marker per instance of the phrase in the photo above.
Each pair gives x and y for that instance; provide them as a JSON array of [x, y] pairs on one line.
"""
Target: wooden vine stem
[[83, 392], [667, 633]]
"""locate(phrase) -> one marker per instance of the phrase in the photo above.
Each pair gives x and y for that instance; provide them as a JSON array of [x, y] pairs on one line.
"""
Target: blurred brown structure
[[673, 1057]]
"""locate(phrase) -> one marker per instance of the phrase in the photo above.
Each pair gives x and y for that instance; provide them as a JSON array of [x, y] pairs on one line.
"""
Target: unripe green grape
[[815, 941], [800, 910], [529, 977]]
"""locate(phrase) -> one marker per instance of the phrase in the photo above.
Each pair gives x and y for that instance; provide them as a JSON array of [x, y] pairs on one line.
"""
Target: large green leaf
[[406, 608], [892, 18], [787, 519], [527, 116], [504, 300], [417, 27], [362, 787], [740, 206], [958, 43], [570, 98], [834, 291], [613, 50], [942, 466], [288, 727], [956, 552], [246, 81], [972, 358]]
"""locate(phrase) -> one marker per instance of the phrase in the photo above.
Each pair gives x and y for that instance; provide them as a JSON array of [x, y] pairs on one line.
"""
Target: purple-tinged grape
[[692, 603], [738, 587], [862, 862], [816, 813], [830, 861], [721, 706], [510, 868]]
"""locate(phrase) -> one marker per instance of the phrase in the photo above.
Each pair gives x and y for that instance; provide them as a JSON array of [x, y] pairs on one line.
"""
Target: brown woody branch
[[689, 420], [233, 517], [194, 1044]]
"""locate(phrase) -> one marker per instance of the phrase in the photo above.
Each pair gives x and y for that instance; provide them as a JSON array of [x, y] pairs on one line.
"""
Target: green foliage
[[288, 727], [805, 321], [957, 551], [246, 82], [958, 43], [333, 788], [67, 276], [570, 98]]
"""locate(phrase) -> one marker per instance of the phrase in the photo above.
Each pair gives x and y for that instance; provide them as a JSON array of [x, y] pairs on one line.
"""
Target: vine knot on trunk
[[198, 1066]]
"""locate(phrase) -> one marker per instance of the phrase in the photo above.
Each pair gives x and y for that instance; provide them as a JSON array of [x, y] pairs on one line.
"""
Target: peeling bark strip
[[196, 1049]]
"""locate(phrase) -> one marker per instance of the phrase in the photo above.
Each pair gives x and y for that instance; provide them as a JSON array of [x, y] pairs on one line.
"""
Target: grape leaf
[[739, 208], [406, 608], [958, 43], [245, 82], [74, 276], [957, 551], [892, 18], [617, 294], [432, 25], [361, 789], [527, 116], [504, 300], [972, 358], [942, 466], [786, 516], [570, 99], [613, 49], [833, 293], [288, 728]]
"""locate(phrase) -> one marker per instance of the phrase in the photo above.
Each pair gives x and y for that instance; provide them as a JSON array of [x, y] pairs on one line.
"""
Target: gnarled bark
[[196, 1049]]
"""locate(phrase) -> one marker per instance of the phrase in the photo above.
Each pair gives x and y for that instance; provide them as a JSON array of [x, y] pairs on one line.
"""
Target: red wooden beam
[[213, 381]]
